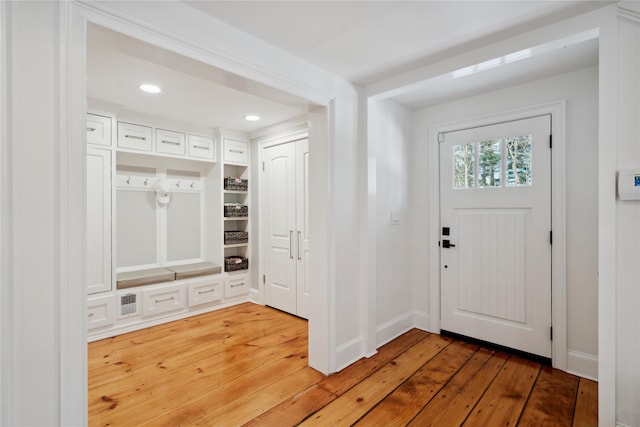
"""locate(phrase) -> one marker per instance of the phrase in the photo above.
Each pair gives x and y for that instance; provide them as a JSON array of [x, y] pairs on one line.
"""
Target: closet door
[[98, 220], [279, 227], [302, 227]]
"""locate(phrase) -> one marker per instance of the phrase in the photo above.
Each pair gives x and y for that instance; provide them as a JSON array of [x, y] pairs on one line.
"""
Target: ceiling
[[361, 41]]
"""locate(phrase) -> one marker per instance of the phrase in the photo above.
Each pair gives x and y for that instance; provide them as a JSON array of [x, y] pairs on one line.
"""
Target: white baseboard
[[582, 364], [421, 320], [393, 329], [349, 352]]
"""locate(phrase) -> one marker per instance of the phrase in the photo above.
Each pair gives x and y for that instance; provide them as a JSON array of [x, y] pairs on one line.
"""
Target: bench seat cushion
[[149, 276], [194, 270]]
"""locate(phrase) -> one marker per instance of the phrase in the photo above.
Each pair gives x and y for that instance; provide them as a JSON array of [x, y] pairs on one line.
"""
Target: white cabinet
[[236, 286], [236, 152], [98, 130], [204, 290], [101, 311], [170, 142], [285, 231], [162, 299], [135, 137], [201, 147], [99, 267]]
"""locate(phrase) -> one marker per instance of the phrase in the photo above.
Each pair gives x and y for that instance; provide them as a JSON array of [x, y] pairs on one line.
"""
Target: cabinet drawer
[[170, 142], [135, 137], [236, 286], [236, 152], [98, 130], [201, 147], [163, 299], [202, 291], [101, 312]]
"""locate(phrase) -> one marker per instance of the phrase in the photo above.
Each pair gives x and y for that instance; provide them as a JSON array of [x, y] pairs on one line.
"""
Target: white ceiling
[[362, 41]]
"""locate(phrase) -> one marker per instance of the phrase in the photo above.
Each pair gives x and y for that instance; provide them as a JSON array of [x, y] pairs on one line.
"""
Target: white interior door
[[278, 212], [495, 190], [302, 227]]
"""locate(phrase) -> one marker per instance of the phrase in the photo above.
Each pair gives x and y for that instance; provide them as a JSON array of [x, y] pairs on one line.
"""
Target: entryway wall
[[402, 182]]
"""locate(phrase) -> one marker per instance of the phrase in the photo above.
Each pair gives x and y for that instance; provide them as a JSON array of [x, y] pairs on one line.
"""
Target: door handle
[[299, 236], [446, 244], [290, 244]]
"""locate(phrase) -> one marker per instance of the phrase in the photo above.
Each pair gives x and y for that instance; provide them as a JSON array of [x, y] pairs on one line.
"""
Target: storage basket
[[235, 237], [235, 210], [235, 263], [236, 184]]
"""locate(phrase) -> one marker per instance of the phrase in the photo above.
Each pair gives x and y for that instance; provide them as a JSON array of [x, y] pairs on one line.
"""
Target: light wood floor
[[248, 365]]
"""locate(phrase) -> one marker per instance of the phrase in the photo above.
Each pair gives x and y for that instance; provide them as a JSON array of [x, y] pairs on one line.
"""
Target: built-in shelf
[[237, 245], [236, 218], [235, 192]]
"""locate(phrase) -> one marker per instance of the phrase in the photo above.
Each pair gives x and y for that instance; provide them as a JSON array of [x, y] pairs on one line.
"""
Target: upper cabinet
[[135, 137], [98, 130], [236, 152], [201, 147]]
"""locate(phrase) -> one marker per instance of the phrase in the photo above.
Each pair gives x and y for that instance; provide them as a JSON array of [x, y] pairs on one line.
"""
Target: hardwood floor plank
[[503, 401], [452, 404], [298, 407], [406, 401], [586, 410], [357, 401], [552, 400]]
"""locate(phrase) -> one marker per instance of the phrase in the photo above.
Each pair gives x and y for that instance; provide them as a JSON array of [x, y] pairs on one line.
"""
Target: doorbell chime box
[[629, 184]]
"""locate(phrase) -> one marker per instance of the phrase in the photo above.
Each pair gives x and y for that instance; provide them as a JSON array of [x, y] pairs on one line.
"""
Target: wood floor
[[247, 365]]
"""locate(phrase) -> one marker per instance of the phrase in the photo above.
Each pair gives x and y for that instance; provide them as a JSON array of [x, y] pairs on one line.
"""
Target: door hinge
[[550, 141], [551, 333], [551, 237], [441, 137], [264, 279]]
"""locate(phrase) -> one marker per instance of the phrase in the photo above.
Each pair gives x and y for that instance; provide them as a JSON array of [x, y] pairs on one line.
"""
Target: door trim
[[558, 217]]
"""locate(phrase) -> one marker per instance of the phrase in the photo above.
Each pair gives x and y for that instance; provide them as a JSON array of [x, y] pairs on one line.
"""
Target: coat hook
[[178, 184], [193, 183], [146, 181], [129, 180]]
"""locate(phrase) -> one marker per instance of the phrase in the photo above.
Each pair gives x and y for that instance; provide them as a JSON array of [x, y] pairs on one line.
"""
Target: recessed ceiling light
[[150, 88], [252, 117]]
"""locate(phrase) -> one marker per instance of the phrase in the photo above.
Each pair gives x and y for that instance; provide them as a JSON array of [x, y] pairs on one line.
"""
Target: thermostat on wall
[[629, 184]]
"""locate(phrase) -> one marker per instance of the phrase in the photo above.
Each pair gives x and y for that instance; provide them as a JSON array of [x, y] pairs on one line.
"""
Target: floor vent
[[128, 305]]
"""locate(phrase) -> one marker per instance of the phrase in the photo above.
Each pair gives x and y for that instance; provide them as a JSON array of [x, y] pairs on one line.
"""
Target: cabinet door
[[236, 286], [163, 299], [236, 152], [170, 142], [98, 130], [101, 312], [201, 147], [135, 137], [205, 290], [99, 268]]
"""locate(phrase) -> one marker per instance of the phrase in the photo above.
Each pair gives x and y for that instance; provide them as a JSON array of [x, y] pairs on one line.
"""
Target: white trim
[[349, 352], [393, 328], [558, 213], [421, 320], [582, 364]]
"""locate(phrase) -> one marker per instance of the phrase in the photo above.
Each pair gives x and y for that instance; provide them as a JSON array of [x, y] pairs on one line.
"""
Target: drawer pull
[[237, 151], [164, 141], [164, 300], [237, 284], [205, 292], [142, 138], [201, 147], [91, 129]]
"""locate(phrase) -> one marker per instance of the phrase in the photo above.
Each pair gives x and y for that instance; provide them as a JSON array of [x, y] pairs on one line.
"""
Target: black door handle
[[447, 244]]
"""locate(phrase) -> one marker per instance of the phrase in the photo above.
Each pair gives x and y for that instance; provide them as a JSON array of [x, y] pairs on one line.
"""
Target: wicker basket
[[236, 184], [235, 237], [235, 263], [232, 210]]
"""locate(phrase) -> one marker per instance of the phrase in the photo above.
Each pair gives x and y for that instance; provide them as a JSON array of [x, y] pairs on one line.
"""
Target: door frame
[[558, 216], [297, 132]]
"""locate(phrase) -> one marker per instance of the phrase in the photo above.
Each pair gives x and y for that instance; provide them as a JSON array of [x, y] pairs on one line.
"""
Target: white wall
[[390, 131], [580, 90]]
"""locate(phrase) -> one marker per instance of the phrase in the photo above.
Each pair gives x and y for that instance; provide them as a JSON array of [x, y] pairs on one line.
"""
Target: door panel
[[495, 189], [279, 221], [302, 226]]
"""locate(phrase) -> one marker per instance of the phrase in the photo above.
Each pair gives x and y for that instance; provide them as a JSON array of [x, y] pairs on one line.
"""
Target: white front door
[[495, 243], [285, 221]]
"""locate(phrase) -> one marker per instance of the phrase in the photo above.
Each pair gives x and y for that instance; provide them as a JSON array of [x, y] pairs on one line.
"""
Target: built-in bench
[[150, 276]]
